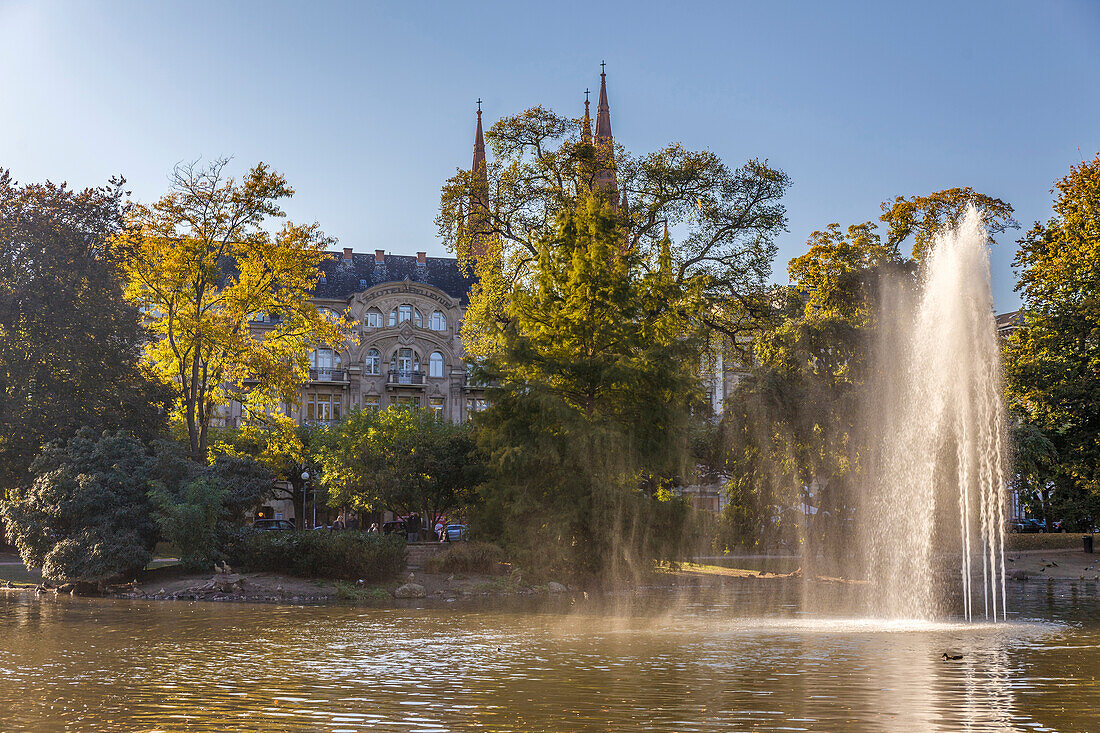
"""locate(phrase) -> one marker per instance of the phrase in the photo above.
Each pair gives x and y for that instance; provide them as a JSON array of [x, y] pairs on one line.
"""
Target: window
[[373, 363], [438, 321], [474, 404], [329, 315], [407, 402], [405, 361], [435, 364], [324, 363], [372, 402], [321, 407], [436, 405], [406, 312], [373, 318]]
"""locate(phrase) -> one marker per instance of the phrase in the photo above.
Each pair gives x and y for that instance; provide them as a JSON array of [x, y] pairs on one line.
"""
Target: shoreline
[[165, 584]]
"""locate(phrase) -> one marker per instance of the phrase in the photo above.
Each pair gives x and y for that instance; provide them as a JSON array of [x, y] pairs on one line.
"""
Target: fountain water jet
[[937, 413]]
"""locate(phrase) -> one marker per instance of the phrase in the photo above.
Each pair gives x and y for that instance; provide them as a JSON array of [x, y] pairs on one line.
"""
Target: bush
[[86, 516], [343, 555], [466, 557]]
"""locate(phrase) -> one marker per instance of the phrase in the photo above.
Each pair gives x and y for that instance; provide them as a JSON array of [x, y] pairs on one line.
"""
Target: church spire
[[586, 123], [605, 143], [478, 225], [603, 112]]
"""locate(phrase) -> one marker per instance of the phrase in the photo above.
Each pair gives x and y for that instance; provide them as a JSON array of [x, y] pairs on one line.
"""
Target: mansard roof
[[344, 278]]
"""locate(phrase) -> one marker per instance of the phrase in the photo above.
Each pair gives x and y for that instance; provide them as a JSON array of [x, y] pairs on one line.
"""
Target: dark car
[[1024, 526], [456, 533], [273, 525], [395, 527]]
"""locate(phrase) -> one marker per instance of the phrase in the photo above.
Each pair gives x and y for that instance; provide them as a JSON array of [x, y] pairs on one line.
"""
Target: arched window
[[405, 361], [435, 364], [393, 318], [438, 321], [418, 319], [373, 318], [373, 362], [329, 314]]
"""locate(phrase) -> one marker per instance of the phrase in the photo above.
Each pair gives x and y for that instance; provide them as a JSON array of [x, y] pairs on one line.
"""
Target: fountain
[[937, 417]]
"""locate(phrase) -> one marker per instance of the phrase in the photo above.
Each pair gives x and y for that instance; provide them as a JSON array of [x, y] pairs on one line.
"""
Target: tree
[[69, 343], [86, 517], [201, 266], [287, 450], [1053, 359], [923, 217], [544, 164], [398, 459], [200, 508], [594, 391]]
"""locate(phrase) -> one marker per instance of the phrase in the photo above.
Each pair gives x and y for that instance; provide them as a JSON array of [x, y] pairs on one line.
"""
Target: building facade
[[406, 314]]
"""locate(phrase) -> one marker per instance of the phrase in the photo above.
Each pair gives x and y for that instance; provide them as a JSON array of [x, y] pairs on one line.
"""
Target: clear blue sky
[[369, 107]]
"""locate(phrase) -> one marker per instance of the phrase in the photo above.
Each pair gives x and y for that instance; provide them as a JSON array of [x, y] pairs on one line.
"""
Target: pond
[[737, 661]]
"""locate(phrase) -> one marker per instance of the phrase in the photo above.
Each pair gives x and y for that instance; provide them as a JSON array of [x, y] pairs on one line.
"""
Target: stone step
[[419, 552]]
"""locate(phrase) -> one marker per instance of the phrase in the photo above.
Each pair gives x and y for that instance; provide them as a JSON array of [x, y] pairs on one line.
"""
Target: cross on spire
[[602, 65], [479, 105], [586, 95]]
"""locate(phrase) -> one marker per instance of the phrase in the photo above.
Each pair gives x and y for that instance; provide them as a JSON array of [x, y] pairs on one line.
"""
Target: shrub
[[342, 555], [466, 557], [86, 516]]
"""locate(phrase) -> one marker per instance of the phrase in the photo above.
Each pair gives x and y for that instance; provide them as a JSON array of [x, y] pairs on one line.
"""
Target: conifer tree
[[595, 384]]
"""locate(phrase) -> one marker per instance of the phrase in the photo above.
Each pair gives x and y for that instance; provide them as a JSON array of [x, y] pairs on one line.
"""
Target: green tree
[[201, 508], [86, 517], [398, 459], [1053, 358], [542, 164], [69, 343], [594, 387], [287, 450], [201, 265], [923, 217]]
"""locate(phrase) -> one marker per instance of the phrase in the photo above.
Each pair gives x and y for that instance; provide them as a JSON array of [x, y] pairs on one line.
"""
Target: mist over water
[[933, 524]]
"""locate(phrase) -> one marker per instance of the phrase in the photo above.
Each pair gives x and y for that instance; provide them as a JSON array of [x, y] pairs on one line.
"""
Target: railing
[[326, 374], [404, 376]]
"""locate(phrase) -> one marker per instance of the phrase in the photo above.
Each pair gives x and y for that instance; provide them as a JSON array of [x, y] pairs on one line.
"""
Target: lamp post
[[305, 494]]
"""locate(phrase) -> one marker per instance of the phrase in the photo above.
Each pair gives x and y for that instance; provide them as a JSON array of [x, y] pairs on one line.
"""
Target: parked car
[[394, 527], [456, 533], [273, 525], [1024, 526]]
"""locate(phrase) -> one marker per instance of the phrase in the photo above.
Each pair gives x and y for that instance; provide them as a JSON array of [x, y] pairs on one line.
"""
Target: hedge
[[346, 555]]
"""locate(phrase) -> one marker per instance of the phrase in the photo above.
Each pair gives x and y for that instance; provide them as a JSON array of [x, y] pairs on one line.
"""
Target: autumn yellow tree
[[202, 266]]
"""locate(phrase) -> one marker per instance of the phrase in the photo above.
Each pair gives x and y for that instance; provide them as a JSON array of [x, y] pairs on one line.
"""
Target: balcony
[[404, 378], [325, 374]]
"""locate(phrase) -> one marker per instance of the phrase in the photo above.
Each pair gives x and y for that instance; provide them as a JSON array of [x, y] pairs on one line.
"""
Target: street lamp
[[305, 493]]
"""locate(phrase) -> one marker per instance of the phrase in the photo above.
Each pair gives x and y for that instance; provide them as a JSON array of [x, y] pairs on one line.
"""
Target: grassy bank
[[1043, 541]]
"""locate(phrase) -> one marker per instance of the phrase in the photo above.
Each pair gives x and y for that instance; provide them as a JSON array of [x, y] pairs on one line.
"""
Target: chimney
[[347, 254], [380, 256], [421, 258]]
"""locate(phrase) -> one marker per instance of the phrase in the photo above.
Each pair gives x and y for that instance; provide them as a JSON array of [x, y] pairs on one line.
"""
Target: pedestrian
[[439, 527]]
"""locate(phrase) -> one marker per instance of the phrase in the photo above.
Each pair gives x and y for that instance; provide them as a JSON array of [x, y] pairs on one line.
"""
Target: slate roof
[[343, 278]]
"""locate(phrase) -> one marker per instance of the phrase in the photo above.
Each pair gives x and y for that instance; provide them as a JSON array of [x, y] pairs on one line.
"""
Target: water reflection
[[734, 662]]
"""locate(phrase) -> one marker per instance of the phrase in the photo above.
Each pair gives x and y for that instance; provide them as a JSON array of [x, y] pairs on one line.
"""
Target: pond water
[[738, 661]]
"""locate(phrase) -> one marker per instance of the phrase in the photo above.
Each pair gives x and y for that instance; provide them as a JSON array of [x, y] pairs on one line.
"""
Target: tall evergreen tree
[[595, 381]]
